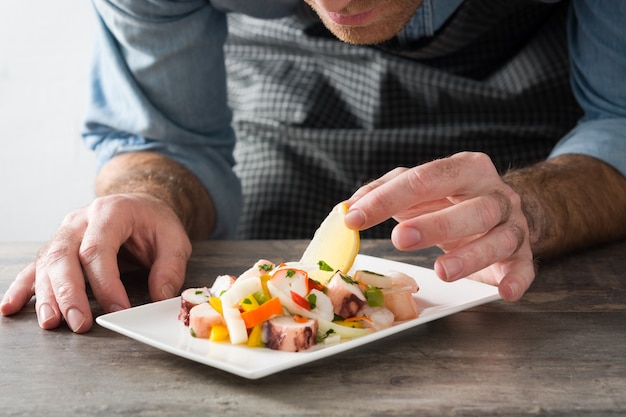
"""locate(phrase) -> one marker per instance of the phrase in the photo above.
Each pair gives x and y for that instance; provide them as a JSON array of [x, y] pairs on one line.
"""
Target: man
[[408, 83]]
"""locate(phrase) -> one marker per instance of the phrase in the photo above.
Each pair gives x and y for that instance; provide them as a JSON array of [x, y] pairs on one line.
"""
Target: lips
[[358, 19]]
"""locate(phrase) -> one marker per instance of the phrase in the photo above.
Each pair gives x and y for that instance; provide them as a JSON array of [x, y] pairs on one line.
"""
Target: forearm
[[571, 202], [161, 177]]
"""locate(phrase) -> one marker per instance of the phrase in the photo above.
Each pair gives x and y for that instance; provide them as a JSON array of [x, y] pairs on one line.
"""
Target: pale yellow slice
[[333, 243]]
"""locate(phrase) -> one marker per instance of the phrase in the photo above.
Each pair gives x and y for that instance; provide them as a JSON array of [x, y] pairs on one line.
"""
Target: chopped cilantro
[[290, 273], [312, 299], [266, 267], [324, 266], [347, 278], [320, 338]]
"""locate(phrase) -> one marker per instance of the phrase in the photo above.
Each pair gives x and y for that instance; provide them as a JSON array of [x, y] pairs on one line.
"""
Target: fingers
[[501, 257], [372, 185], [168, 272], [500, 243], [20, 292], [465, 219], [98, 252], [60, 284], [400, 190], [356, 216], [151, 233], [170, 249], [513, 276], [518, 277]]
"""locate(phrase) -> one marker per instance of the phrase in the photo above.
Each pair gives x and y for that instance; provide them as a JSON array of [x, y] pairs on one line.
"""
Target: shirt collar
[[429, 17]]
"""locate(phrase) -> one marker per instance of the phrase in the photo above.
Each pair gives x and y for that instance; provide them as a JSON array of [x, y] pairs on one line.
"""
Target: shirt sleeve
[[158, 83], [597, 39]]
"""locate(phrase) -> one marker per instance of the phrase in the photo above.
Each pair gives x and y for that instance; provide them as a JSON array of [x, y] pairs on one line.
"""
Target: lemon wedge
[[334, 246]]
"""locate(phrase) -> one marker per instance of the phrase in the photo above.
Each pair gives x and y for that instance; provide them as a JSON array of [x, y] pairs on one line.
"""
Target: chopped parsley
[[324, 266], [347, 278], [321, 338], [312, 299], [373, 273]]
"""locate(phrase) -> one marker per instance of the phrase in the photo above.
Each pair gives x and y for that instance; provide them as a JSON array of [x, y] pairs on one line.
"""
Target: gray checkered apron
[[316, 118]]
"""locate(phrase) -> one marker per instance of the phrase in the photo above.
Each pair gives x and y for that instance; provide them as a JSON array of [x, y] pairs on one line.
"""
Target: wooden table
[[561, 351]]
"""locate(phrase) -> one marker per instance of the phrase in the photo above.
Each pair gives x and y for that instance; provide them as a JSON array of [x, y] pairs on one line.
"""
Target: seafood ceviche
[[281, 307]]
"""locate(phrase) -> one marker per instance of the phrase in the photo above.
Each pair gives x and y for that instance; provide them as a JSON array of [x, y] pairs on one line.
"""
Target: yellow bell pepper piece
[[216, 303], [248, 303], [219, 333], [255, 339], [264, 279], [353, 324]]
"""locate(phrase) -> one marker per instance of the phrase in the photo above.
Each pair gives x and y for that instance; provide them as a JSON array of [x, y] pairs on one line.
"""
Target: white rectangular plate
[[157, 324]]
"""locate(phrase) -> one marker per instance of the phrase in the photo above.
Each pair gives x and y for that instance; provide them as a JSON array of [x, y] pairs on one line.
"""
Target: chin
[[362, 35]]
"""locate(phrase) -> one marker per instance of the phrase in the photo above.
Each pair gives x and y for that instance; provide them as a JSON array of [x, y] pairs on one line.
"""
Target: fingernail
[[46, 314], [513, 290], [75, 319], [6, 300], [355, 218], [115, 307], [452, 267], [405, 237], [168, 291]]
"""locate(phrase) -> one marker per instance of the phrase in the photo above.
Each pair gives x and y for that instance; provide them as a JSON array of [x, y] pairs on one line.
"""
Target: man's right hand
[[149, 207], [86, 247]]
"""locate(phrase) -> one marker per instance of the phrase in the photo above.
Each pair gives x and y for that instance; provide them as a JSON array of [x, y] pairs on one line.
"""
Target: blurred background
[[45, 170]]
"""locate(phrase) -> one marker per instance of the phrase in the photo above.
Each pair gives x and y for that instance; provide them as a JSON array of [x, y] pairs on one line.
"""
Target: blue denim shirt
[[188, 119]]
